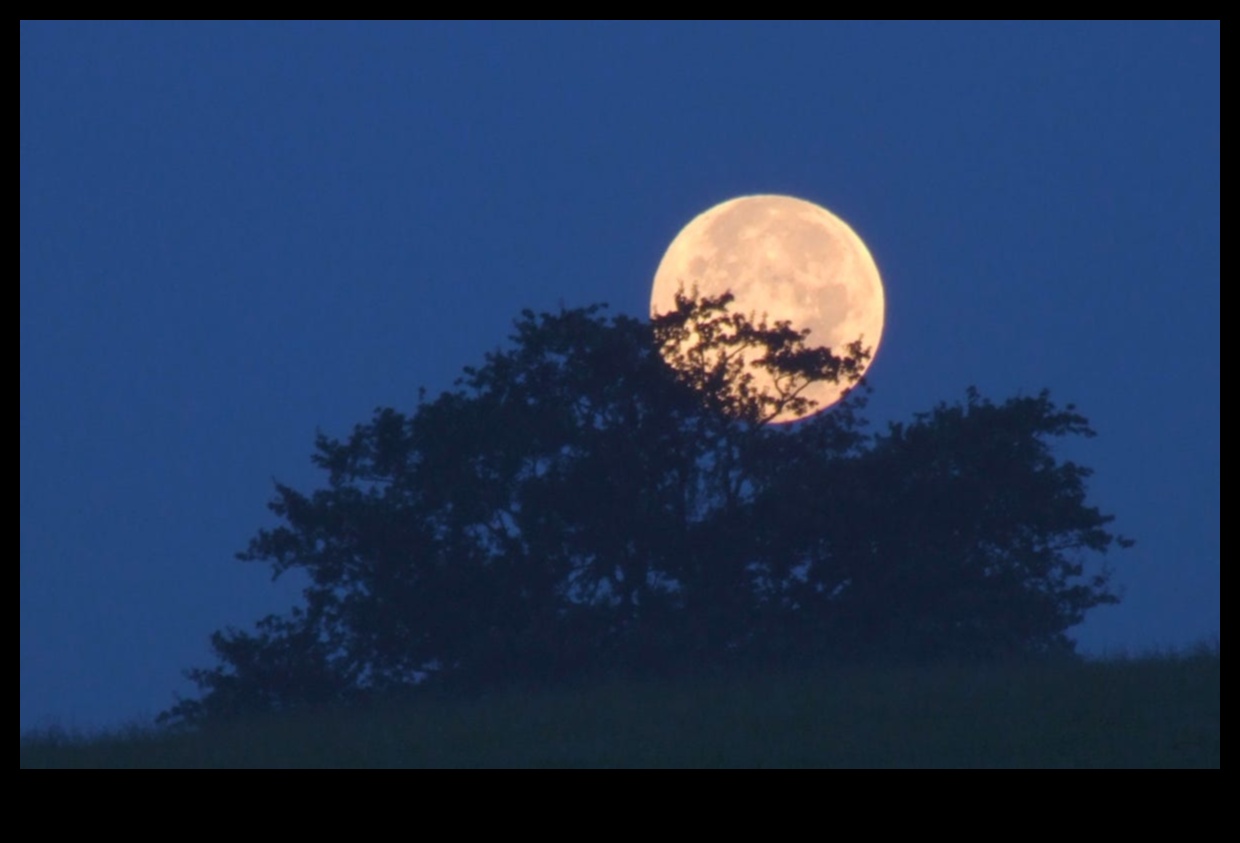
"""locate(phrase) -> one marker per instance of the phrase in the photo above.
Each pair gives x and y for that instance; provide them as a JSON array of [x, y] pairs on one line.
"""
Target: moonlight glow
[[784, 258]]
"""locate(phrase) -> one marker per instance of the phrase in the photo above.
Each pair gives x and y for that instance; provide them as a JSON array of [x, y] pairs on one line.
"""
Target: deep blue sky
[[233, 235]]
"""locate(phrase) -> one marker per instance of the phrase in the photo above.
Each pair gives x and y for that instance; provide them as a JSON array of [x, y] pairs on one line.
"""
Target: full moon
[[782, 258]]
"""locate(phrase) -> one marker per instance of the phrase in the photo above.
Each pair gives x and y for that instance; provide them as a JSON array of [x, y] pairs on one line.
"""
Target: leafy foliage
[[610, 496]]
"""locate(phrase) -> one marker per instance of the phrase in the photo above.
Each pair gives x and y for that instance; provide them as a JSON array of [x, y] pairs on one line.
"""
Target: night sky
[[235, 235]]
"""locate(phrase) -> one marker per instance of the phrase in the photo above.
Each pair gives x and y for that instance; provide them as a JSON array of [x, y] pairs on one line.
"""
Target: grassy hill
[[1154, 711]]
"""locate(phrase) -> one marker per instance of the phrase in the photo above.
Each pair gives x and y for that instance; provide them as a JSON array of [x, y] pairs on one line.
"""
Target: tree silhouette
[[609, 496], [959, 534]]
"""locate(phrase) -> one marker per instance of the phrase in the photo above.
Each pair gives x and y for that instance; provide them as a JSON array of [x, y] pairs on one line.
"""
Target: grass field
[[1152, 711]]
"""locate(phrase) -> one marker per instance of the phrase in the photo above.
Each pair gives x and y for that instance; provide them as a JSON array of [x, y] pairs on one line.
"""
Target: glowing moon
[[785, 258]]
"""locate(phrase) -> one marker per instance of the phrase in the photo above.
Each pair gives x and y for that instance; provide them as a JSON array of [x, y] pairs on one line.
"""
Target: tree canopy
[[609, 496]]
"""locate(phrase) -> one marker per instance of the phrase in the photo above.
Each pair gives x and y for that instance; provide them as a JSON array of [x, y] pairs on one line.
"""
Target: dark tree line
[[579, 507]]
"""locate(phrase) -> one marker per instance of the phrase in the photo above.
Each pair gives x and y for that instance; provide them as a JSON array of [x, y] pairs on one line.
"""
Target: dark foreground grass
[[1157, 711]]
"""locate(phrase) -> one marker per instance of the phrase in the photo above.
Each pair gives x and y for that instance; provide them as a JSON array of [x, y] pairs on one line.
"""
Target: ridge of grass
[[1155, 710]]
